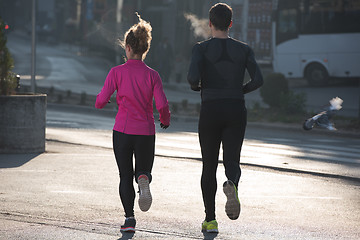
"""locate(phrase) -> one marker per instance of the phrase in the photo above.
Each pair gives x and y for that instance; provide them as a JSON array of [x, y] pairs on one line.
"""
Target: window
[[287, 25], [329, 16]]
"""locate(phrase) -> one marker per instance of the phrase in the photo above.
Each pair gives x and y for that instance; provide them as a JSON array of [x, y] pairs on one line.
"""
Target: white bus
[[317, 39]]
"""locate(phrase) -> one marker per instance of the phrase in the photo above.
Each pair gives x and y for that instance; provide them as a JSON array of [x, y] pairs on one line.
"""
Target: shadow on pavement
[[15, 160], [126, 235], [209, 236]]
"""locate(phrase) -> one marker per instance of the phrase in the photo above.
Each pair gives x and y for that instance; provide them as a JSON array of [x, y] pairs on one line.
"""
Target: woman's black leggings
[[222, 121], [125, 146]]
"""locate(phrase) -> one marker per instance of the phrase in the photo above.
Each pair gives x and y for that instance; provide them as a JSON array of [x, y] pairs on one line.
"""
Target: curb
[[298, 128], [301, 171], [253, 165], [279, 169]]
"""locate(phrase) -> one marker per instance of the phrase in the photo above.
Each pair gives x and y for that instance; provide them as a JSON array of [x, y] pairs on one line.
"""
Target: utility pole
[[244, 27], [359, 98], [119, 9], [33, 46]]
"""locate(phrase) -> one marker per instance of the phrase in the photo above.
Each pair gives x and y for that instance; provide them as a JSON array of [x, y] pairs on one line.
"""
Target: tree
[[8, 81]]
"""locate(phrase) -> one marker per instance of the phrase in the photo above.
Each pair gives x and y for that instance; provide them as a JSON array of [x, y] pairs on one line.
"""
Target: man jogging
[[217, 69]]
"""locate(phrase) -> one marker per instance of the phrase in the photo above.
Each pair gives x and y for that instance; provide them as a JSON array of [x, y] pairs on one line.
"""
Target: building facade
[[96, 25]]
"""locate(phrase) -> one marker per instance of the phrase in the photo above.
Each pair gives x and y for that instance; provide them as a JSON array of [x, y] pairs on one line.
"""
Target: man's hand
[[195, 88], [163, 126]]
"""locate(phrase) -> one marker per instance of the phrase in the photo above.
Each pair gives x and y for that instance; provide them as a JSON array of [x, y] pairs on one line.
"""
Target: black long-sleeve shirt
[[218, 66]]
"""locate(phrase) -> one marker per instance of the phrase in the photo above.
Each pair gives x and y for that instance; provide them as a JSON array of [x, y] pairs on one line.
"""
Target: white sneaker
[[145, 198]]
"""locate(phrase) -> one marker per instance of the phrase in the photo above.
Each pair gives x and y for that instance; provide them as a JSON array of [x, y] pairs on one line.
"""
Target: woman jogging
[[134, 130], [217, 68]]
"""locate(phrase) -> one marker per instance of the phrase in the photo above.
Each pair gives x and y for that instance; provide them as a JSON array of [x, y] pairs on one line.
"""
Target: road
[[323, 152], [66, 67], [71, 190], [62, 66], [294, 185]]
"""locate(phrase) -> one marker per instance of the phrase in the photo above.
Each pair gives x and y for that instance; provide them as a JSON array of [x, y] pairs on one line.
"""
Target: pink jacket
[[136, 85]]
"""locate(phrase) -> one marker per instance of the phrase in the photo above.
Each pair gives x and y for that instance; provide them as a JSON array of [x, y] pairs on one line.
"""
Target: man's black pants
[[221, 121]]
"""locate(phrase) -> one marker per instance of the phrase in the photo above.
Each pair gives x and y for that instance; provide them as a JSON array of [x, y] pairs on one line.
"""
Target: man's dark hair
[[220, 16]]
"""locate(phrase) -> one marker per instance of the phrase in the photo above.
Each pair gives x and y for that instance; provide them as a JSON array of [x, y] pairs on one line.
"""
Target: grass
[[273, 115], [346, 123]]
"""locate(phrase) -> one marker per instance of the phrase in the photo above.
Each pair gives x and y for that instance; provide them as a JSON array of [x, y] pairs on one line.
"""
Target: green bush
[[198, 107], [174, 108], [275, 86], [293, 103], [51, 90], [83, 97], [8, 84], [275, 92], [184, 104]]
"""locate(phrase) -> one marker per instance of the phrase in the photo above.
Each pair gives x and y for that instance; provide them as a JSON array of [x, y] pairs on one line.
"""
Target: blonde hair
[[138, 37]]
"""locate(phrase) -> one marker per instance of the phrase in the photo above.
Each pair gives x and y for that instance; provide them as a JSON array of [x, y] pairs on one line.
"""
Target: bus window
[[329, 16], [286, 25]]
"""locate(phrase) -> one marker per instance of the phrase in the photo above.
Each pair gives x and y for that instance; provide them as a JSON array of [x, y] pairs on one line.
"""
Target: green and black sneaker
[[232, 206], [210, 227]]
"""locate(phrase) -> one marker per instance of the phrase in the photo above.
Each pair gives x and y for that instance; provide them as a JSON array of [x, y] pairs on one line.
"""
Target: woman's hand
[[164, 126]]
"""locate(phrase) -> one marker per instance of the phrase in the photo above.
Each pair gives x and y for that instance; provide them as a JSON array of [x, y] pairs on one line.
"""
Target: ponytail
[[138, 37]]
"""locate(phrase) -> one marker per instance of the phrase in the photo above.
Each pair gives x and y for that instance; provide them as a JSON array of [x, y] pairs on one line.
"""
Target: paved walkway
[[70, 192]]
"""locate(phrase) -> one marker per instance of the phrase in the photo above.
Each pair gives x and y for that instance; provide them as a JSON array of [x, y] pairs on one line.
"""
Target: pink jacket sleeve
[[108, 89], [161, 102]]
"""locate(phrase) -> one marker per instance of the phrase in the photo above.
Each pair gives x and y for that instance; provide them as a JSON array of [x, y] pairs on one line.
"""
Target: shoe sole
[[145, 198], [232, 206], [128, 229], [212, 231], [215, 230]]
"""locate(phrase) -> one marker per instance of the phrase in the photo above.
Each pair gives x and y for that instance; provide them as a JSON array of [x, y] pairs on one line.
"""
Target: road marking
[[28, 77], [181, 136], [326, 140], [188, 146], [294, 197], [329, 147], [175, 153], [66, 69], [280, 140], [57, 122], [184, 145], [68, 191], [268, 150]]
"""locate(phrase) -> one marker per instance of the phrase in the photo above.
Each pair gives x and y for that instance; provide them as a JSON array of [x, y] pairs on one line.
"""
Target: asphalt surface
[[70, 191]]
